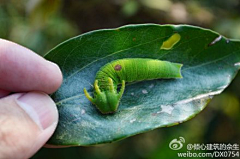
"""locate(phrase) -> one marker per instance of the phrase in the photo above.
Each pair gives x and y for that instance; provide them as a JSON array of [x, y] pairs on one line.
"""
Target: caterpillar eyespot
[[117, 67], [106, 98]]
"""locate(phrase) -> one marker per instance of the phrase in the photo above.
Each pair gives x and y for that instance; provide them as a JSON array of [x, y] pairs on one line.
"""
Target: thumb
[[27, 120]]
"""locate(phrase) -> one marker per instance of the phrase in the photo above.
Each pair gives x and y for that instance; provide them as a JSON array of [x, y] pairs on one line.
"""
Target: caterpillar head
[[106, 101]]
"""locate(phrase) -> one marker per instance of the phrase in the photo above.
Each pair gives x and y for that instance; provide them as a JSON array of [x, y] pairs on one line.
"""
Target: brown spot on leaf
[[117, 67]]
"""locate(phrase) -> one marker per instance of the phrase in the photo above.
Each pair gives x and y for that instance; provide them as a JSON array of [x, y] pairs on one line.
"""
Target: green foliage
[[210, 62], [35, 24]]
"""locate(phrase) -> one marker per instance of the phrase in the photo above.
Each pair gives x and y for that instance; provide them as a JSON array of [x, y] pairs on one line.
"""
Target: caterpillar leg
[[110, 81], [106, 101], [88, 96], [98, 91], [122, 89]]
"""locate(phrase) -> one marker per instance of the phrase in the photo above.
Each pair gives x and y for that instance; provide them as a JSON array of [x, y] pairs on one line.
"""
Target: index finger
[[23, 70]]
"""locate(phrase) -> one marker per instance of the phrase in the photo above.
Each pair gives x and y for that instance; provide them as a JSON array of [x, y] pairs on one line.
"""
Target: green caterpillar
[[106, 97]]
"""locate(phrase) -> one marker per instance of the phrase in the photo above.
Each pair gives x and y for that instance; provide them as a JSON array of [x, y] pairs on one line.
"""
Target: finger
[[23, 70], [27, 122]]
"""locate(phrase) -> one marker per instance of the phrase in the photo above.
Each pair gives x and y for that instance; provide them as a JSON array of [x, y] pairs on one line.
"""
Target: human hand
[[28, 117]]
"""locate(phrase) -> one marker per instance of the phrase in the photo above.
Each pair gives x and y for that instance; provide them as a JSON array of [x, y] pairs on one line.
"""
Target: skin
[[106, 98], [28, 117]]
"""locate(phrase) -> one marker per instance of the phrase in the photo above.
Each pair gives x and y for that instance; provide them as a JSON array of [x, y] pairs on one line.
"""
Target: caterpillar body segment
[[106, 98]]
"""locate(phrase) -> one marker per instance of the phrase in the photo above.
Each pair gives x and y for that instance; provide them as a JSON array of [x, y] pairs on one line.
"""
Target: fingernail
[[40, 108]]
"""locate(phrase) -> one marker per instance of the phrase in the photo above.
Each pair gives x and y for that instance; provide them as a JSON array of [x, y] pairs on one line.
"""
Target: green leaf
[[210, 62]]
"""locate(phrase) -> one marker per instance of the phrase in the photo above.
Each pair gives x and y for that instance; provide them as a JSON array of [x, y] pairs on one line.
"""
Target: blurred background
[[42, 24]]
